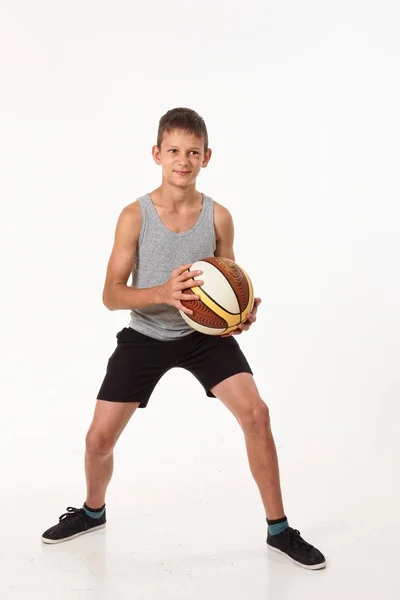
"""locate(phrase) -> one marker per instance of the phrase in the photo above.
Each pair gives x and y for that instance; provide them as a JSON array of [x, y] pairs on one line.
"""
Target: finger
[[185, 310], [189, 297], [257, 302], [248, 323], [190, 284], [243, 326], [253, 313], [181, 269], [189, 275], [235, 332]]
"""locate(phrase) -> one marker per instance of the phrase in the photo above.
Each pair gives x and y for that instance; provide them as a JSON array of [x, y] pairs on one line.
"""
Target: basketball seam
[[192, 317], [236, 296], [215, 302]]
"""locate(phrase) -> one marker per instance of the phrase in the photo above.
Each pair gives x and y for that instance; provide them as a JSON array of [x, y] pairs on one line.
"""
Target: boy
[[156, 239]]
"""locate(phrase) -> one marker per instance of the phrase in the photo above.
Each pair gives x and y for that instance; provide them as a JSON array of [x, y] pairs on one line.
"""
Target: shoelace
[[71, 513], [297, 541]]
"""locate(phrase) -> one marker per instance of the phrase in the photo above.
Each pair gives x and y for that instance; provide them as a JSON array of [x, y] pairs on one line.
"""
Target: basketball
[[226, 297]]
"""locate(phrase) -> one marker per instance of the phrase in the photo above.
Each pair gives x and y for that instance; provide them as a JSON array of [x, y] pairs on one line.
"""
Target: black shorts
[[139, 362]]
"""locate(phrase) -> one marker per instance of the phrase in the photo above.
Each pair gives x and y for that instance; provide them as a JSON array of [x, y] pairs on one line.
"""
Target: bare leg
[[239, 393], [98, 470], [109, 420], [263, 461]]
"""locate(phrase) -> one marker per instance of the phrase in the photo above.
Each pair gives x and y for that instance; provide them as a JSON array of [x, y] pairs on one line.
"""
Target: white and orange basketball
[[226, 297]]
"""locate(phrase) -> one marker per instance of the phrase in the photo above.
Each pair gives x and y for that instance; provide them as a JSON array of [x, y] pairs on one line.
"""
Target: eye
[[175, 150]]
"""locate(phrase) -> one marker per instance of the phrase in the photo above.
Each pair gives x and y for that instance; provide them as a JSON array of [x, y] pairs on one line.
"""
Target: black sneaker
[[291, 544], [71, 524]]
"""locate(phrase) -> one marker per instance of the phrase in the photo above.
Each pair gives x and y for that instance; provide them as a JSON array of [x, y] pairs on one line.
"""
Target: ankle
[[94, 504], [94, 513], [277, 526]]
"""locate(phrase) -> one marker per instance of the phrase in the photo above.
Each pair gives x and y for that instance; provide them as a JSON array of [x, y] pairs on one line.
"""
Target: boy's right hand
[[171, 292]]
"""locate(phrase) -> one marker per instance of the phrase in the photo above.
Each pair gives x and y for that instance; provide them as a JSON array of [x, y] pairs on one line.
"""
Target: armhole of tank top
[[143, 224], [211, 209], [212, 225]]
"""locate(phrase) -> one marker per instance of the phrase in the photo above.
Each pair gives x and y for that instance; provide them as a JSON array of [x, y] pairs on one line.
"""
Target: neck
[[172, 196]]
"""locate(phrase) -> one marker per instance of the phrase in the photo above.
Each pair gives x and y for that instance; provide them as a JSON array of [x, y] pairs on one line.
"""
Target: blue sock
[[94, 513], [277, 526]]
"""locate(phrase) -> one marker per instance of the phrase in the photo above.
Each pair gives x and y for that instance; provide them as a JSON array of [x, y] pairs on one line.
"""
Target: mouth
[[183, 172]]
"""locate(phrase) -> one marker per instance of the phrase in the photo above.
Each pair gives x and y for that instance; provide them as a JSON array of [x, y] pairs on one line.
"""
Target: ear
[[207, 157], [155, 151]]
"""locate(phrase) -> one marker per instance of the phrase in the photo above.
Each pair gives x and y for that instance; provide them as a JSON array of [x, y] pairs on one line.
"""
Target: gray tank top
[[159, 252]]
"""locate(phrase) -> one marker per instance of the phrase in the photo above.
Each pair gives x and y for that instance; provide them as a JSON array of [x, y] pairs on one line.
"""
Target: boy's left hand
[[251, 317]]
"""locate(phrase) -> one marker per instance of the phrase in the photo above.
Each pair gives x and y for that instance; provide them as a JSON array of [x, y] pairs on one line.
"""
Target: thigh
[[134, 368], [213, 359]]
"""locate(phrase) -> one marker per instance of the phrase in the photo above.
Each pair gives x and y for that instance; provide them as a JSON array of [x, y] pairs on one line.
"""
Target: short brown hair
[[183, 118]]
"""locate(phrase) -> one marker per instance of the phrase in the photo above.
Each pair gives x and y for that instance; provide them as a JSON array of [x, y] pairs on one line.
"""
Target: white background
[[301, 101]]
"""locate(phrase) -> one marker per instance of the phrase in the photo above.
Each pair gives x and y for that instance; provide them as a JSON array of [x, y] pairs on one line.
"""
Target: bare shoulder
[[132, 212], [221, 212], [129, 222], [222, 218], [224, 231]]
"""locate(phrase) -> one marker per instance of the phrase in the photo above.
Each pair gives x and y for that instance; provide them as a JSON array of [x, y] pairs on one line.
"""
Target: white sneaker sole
[[48, 541], [310, 567]]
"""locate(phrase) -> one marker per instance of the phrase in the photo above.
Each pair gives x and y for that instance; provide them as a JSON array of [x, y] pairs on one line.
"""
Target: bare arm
[[117, 295], [224, 232]]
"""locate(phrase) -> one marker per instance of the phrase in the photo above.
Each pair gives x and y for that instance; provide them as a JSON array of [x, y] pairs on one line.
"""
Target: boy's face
[[181, 156]]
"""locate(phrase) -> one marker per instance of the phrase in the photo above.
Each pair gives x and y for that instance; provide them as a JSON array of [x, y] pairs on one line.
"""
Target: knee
[[99, 442], [256, 417]]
